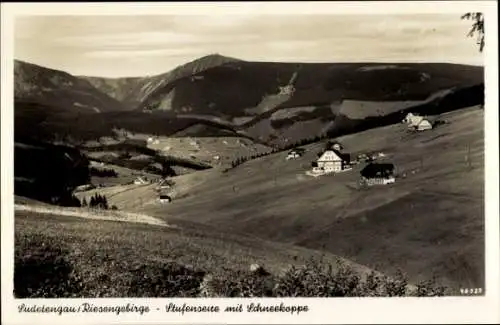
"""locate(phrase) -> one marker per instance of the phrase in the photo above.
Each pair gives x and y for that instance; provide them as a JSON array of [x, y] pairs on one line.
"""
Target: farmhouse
[[332, 161], [140, 181], [287, 90], [416, 122], [164, 184], [376, 173], [164, 199], [295, 153], [335, 145]]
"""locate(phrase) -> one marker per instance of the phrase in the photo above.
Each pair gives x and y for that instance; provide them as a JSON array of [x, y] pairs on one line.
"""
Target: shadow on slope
[[48, 172]]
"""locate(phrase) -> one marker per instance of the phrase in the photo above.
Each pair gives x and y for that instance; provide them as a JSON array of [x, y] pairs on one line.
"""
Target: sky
[[128, 46]]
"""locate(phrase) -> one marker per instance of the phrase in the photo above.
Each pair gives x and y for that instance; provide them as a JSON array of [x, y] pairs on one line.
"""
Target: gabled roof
[[374, 170], [344, 156], [298, 150], [415, 120], [330, 155]]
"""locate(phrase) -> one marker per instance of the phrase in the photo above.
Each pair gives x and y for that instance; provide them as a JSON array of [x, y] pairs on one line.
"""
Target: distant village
[[333, 159]]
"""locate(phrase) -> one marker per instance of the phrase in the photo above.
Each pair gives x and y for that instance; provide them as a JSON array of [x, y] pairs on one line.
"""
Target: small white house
[[424, 125], [416, 122], [332, 161], [295, 153], [292, 155], [164, 199], [336, 146], [164, 184], [287, 90], [140, 181]]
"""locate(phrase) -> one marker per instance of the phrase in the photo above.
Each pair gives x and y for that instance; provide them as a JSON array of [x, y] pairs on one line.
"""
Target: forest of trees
[[103, 172], [97, 201]]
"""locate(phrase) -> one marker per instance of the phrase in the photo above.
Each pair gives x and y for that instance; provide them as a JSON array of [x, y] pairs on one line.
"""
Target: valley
[[203, 149]]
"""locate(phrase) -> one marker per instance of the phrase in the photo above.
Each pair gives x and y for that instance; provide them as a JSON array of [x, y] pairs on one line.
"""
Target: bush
[[242, 284], [98, 201], [42, 270], [318, 279], [104, 172], [67, 200], [168, 280]]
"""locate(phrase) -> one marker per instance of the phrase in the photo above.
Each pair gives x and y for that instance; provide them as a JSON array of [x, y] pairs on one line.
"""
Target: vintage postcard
[[236, 163]]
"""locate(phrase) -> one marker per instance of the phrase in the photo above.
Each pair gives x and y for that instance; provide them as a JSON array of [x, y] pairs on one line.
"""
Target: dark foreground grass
[[61, 257]]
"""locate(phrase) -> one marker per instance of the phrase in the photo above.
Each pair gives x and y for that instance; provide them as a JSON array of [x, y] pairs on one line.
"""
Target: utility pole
[[468, 156]]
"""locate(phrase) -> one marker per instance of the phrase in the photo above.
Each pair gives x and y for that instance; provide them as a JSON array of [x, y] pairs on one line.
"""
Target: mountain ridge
[[269, 101]]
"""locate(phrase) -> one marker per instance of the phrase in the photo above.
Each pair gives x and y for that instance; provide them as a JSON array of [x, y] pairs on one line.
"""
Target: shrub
[[98, 201], [242, 284], [318, 280], [168, 280], [67, 200], [42, 270], [430, 288], [104, 172]]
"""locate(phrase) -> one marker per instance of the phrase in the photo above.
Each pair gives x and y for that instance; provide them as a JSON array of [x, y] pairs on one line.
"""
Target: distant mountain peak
[[217, 56]]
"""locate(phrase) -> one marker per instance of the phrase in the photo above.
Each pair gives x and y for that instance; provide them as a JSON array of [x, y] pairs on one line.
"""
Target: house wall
[[330, 165], [424, 125], [379, 181]]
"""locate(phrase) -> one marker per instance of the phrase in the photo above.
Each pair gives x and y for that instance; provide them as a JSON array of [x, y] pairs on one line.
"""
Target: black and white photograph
[[248, 155]]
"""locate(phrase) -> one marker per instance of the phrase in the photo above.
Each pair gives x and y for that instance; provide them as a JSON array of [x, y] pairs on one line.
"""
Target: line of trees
[[305, 141], [97, 201], [103, 172]]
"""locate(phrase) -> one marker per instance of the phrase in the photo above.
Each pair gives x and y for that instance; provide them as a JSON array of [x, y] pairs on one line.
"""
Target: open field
[[215, 151], [92, 214], [124, 175], [430, 223], [99, 258]]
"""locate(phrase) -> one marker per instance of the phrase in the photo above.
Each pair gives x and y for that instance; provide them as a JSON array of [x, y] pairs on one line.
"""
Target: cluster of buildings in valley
[[331, 160], [163, 188]]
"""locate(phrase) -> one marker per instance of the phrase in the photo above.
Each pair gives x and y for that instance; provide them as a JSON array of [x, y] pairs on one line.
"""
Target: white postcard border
[[321, 311]]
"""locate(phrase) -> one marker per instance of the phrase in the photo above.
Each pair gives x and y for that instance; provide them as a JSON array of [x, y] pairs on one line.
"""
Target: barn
[[295, 153], [416, 122], [335, 145], [378, 173], [333, 161], [164, 198]]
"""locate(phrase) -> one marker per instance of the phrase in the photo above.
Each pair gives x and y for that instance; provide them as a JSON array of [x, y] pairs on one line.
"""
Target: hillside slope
[[429, 223], [286, 102], [235, 89], [271, 103], [33, 83], [100, 258], [133, 91], [117, 88]]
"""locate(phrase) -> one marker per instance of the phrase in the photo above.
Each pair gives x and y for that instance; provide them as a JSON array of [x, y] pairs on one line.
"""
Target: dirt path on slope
[[93, 214]]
